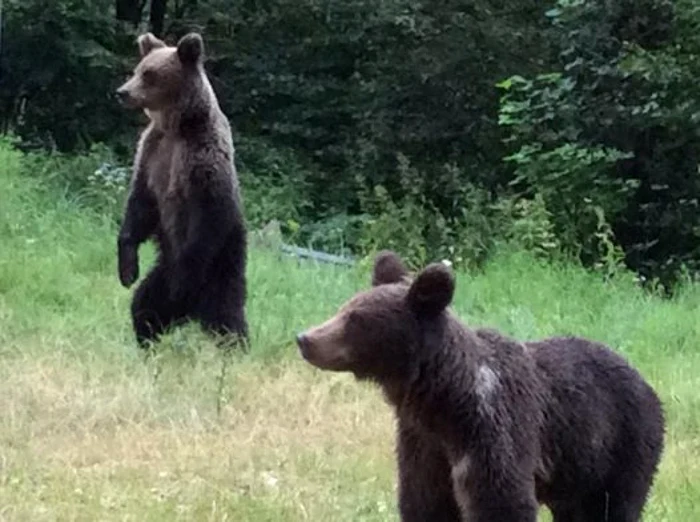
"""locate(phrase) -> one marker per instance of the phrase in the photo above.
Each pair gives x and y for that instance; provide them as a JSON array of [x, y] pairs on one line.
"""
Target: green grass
[[91, 431]]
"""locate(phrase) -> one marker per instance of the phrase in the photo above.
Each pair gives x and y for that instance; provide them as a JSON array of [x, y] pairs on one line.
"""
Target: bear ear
[[190, 49], [388, 268], [147, 42], [432, 290]]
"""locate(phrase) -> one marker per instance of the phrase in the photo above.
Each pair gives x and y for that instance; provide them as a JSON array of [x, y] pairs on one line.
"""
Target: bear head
[[375, 333], [163, 72]]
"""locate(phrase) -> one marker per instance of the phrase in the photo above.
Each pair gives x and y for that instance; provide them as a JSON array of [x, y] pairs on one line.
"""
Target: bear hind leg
[[626, 504], [627, 492], [152, 311], [570, 513], [223, 314], [231, 331], [606, 506]]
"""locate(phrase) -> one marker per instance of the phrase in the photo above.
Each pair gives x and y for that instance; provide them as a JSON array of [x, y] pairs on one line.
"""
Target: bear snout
[[129, 96], [122, 95], [305, 347], [302, 342], [323, 352]]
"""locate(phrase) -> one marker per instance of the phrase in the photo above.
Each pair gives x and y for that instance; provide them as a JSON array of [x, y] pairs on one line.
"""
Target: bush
[[94, 179], [411, 223], [275, 185], [609, 139]]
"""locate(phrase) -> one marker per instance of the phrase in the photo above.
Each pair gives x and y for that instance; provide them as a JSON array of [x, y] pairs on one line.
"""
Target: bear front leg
[[140, 221], [128, 263], [425, 486], [488, 489]]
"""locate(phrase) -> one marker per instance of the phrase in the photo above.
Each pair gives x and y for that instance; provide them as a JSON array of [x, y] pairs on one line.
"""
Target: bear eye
[[149, 76]]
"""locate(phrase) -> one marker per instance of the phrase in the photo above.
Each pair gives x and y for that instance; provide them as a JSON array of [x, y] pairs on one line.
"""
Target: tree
[[613, 131]]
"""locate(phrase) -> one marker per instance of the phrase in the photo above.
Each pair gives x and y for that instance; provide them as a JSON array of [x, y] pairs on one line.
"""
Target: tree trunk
[[157, 16], [129, 11]]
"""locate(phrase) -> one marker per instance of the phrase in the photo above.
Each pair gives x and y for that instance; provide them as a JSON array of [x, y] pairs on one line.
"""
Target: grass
[[91, 431]]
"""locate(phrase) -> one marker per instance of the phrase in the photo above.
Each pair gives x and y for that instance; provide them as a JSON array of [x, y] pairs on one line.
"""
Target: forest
[[549, 149], [441, 129]]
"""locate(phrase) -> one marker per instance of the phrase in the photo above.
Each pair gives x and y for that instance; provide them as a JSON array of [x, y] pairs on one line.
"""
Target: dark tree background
[[566, 127]]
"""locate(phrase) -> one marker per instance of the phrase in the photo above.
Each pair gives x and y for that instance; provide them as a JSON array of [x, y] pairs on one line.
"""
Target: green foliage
[[346, 86], [60, 62], [363, 124], [609, 139], [274, 183], [576, 183], [415, 227], [92, 179], [529, 226]]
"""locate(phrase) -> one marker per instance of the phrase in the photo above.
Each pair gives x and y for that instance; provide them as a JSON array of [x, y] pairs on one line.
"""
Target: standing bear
[[185, 194], [489, 427]]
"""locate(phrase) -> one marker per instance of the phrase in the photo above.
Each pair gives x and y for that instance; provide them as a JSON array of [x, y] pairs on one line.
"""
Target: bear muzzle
[[325, 354], [122, 96], [304, 345]]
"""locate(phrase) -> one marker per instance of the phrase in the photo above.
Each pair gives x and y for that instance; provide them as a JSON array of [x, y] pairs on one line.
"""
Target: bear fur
[[488, 427], [184, 193]]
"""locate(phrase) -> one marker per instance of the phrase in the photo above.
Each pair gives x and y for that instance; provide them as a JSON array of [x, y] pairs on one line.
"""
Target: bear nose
[[122, 94], [302, 341]]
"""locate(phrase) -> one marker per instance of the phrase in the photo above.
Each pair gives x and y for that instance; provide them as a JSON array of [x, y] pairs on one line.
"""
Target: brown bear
[[184, 193], [489, 427]]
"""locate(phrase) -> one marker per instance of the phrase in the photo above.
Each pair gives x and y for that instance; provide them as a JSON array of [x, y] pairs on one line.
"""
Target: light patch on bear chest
[[160, 170], [486, 384], [461, 483], [164, 170], [460, 469]]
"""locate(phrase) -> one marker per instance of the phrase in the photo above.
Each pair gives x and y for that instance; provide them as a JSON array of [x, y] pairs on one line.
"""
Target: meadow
[[90, 430]]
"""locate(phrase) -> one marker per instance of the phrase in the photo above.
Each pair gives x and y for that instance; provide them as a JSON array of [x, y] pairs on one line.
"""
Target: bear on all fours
[[488, 427], [185, 194]]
